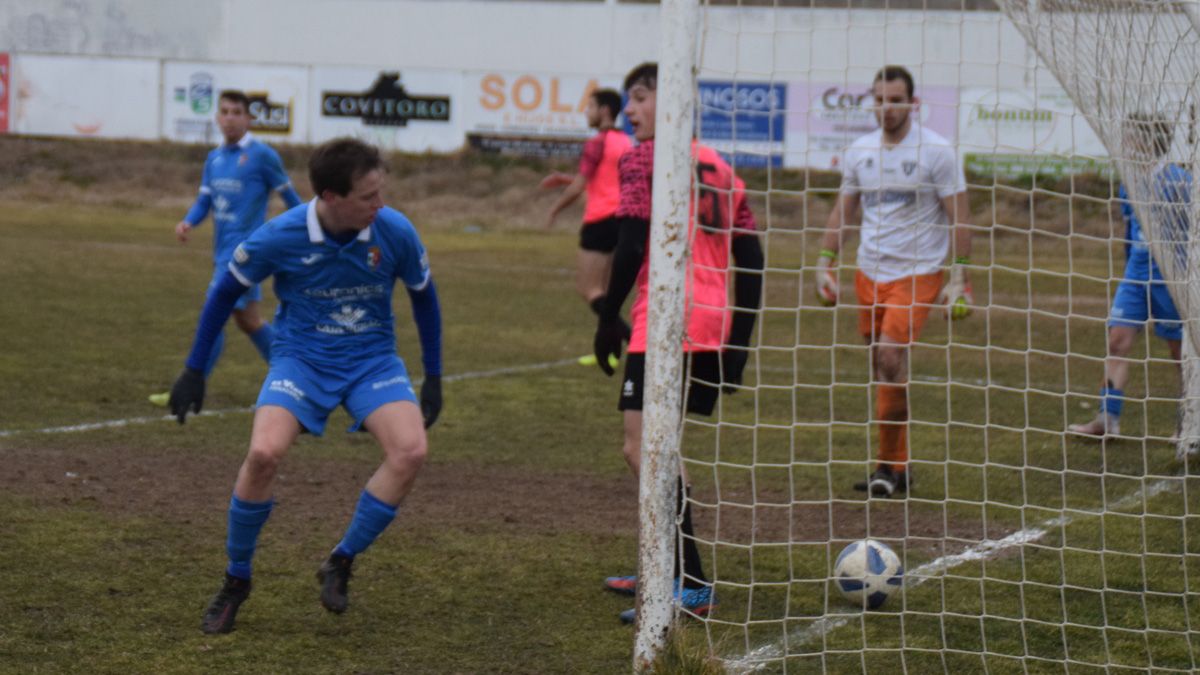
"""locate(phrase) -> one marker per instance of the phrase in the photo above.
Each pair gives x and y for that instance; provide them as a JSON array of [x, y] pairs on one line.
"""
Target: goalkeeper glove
[[187, 392], [609, 335], [827, 283], [431, 399], [956, 294]]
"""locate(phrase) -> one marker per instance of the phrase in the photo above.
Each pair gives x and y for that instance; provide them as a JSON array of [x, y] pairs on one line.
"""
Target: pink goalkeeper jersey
[[719, 209], [598, 165]]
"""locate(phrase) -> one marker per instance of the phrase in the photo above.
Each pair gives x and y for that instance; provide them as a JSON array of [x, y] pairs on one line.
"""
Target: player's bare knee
[[407, 456], [263, 461]]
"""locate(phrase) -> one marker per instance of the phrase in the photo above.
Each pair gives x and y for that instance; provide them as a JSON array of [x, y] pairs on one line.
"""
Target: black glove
[[187, 392], [431, 399], [733, 362], [609, 334]]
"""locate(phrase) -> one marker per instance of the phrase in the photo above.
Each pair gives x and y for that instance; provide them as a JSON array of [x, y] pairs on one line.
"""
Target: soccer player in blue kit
[[335, 263], [239, 177], [1142, 293]]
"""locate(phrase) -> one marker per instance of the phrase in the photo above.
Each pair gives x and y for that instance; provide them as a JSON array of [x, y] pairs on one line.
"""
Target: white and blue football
[[868, 572]]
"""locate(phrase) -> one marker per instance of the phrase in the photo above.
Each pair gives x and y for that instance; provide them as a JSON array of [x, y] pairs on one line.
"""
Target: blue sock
[[1111, 401], [246, 520], [218, 347], [262, 341], [371, 518]]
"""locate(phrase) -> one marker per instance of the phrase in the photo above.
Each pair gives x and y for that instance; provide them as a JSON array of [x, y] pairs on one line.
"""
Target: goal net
[[1025, 547]]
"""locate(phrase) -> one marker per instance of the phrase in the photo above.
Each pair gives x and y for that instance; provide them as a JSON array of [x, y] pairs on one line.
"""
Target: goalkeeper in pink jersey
[[598, 177], [715, 349]]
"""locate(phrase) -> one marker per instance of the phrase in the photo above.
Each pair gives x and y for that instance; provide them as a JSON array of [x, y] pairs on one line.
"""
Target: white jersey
[[905, 229]]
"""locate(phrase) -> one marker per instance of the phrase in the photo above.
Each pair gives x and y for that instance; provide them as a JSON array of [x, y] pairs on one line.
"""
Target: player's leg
[[383, 402], [248, 318], [593, 266], [906, 304], [275, 429], [702, 376], [1129, 313]]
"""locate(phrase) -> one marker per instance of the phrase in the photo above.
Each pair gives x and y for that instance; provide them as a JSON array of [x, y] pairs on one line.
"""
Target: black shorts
[[600, 236], [702, 389]]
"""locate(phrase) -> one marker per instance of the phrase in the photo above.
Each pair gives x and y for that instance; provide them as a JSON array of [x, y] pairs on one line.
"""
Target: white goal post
[[1026, 547]]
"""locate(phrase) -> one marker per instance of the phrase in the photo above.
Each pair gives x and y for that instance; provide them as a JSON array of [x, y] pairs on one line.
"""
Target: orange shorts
[[897, 309]]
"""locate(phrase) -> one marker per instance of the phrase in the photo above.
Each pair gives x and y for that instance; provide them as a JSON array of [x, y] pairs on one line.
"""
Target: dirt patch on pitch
[[180, 488], [319, 494]]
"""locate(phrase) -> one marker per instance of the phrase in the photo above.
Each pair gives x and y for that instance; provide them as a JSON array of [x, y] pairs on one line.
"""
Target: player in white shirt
[[913, 198]]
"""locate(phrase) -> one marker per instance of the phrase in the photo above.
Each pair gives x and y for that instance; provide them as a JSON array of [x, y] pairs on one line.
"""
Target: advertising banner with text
[[400, 109], [278, 100], [78, 96], [1025, 132], [825, 118], [744, 121], [529, 113]]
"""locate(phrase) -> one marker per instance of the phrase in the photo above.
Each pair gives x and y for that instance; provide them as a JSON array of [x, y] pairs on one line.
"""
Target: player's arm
[[845, 210], [278, 178], [575, 188], [747, 299], [626, 263], [428, 316], [188, 390], [199, 210], [956, 294]]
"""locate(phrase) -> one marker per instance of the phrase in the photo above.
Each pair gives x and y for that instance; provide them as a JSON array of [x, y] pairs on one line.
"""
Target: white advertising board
[[278, 100], [397, 109], [1017, 132], [74, 96], [529, 113]]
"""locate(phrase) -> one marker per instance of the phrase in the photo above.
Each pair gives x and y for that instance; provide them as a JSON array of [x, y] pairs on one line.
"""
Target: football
[[868, 572]]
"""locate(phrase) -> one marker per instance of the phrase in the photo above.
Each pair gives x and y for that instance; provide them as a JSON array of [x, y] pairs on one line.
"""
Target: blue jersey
[[335, 300], [238, 181], [1171, 190]]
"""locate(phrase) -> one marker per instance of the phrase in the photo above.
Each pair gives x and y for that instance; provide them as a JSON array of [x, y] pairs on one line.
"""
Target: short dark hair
[[235, 96], [608, 98], [335, 165], [645, 74], [1154, 130], [891, 73]]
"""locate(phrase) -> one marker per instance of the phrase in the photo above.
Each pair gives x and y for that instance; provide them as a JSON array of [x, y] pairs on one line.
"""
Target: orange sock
[[891, 411]]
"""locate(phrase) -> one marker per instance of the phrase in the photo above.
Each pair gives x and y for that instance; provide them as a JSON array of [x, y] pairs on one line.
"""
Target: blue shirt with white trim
[[335, 300], [1171, 189], [237, 182]]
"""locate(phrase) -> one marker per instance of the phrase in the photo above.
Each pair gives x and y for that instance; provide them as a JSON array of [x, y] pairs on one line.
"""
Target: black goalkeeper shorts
[[703, 387], [600, 236]]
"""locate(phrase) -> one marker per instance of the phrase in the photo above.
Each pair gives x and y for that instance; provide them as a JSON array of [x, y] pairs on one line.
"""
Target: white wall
[[451, 48], [582, 38]]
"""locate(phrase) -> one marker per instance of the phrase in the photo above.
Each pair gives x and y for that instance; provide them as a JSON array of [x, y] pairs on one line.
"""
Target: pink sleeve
[[593, 152], [636, 172]]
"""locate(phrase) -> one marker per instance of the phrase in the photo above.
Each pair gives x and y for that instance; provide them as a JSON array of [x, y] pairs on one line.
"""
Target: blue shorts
[[312, 393], [252, 294], [1136, 301]]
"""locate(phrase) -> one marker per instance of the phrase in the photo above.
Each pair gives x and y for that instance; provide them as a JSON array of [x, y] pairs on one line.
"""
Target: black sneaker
[[219, 616], [885, 483], [333, 577]]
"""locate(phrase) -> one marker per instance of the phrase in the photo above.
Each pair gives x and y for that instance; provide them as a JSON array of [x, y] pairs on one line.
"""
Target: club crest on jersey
[[908, 167], [243, 159], [374, 257], [870, 162]]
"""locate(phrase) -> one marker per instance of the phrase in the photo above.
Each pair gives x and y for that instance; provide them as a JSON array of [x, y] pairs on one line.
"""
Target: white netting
[[1027, 549]]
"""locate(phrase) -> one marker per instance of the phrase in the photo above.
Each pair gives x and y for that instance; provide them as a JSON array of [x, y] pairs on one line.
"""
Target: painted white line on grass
[[989, 548], [130, 421]]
